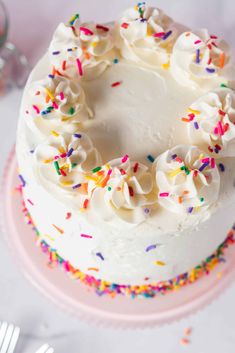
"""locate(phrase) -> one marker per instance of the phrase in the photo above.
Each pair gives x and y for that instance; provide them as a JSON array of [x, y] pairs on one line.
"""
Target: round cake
[[126, 146]]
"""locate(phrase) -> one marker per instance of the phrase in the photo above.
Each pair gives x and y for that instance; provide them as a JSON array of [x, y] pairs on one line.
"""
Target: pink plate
[[76, 298]]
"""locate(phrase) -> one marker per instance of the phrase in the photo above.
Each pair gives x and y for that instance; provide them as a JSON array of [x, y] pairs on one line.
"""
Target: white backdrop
[[32, 24]]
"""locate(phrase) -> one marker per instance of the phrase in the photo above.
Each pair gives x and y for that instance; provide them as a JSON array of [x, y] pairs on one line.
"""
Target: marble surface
[[32, 23]]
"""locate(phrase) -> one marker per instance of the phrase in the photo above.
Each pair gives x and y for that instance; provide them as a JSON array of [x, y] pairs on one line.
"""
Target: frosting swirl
[[121, 188], [81, 49], [146, 34], [211, 122], [188, 180], [54, 103], [200, 59], [63, 160]]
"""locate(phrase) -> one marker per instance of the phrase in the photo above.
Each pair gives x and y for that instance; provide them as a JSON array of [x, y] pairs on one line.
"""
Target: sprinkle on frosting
[[58, 229], [151, 247], [213, 127], [200, 60], [188, 181]]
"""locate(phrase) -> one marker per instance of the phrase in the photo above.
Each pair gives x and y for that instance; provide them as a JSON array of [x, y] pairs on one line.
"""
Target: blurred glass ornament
[[14, 67]]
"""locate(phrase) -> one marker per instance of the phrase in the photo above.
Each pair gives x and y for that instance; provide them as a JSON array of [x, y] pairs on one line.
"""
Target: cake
[[125, 147]]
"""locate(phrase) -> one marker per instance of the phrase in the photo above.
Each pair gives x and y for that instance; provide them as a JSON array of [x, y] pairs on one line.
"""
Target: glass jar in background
[[14, 67]]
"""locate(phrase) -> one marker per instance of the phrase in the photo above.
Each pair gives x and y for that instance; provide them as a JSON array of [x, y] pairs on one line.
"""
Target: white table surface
[[32, 23]]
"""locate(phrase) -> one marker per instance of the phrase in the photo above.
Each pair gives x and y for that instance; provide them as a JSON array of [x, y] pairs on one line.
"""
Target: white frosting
[[55, 104], [188, 180], [201, 60], [212, 125], [63, 160], [123, 189], [146, 34], [81, 50]]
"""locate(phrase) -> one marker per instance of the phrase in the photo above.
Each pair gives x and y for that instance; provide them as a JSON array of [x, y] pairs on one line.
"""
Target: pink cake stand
[[82, 302]]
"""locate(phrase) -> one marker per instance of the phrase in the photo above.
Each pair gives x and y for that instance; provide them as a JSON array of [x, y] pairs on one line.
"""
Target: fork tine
[[14, 340], [3, 332], [7, 339]]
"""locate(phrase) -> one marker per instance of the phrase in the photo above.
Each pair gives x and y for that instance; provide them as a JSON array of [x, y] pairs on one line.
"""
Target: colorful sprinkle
[[125, 158], [100, 256], [167, 35], [166, 66], [190, 209], [194, 111], [22, 180], [151, 247], [86, 236], [198, 56], [77, 135], [221, 167], [79, 65], [131, 191], [158, 35], [203, 166], [85, 203], [125, 25], [71, 110], [86, 31], [37, 110], [73, 19], [164, 194], [103, 28], [115, 84], [56, 52], [57, 167], [97, 169], [222, 60], [31, 202], [136, 166], [184, 341], [188, 331], [115, 61], [196, 125], [70, 152], [58, 229], [93, 269], [210, 70], [64, 65], [150, 158], [68, 215], [160, 263]]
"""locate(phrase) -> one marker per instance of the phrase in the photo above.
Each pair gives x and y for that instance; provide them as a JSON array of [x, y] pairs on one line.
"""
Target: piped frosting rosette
[[81, 50], [188, 180], [211, 122], [121, 188], [146, 34], [62, 161], [201, 60], [56, 103]]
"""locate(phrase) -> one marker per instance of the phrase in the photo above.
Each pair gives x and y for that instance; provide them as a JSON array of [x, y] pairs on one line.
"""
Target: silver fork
[[9, 335], [44, 349]]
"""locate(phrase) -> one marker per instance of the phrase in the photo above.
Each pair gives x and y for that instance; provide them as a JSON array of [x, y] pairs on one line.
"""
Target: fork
[[9, 335], [44, 349]]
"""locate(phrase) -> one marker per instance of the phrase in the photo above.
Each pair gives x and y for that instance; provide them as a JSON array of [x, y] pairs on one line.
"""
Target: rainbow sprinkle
[[22, 180], [150, 158], [152, 290]]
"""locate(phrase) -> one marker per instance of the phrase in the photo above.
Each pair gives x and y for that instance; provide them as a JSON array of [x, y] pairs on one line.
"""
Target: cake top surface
[[133, 121]]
